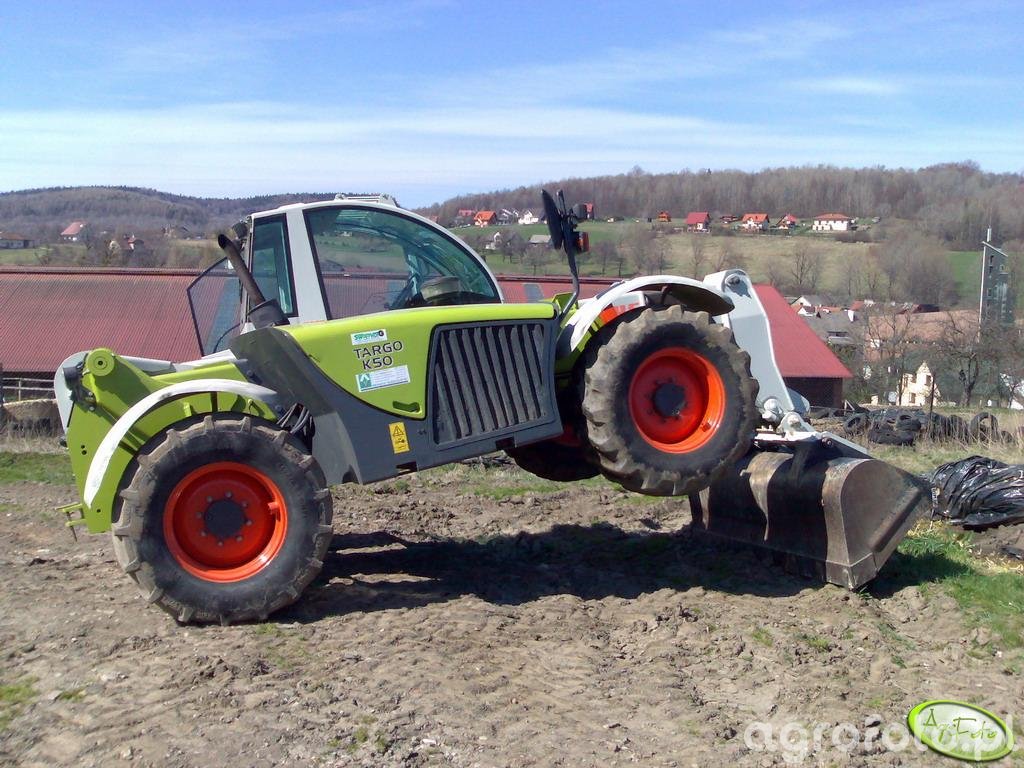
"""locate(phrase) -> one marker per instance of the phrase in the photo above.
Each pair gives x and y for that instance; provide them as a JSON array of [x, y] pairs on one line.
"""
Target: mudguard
[[693, 294], [105, 451]]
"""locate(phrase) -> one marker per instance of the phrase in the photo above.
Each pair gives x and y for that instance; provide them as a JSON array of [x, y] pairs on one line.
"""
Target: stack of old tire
[[903, 426]]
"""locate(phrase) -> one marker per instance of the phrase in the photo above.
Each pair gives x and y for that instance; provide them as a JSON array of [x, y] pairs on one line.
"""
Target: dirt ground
[[477, 617]]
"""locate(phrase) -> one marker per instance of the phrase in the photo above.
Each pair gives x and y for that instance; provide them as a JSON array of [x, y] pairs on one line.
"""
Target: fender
[[693, 294], [107, 447]]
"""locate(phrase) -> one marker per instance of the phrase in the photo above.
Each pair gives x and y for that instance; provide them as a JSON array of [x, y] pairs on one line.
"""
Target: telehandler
[[353, 341]]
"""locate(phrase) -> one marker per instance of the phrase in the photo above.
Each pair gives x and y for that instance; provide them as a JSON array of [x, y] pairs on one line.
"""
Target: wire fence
[[15, 388]]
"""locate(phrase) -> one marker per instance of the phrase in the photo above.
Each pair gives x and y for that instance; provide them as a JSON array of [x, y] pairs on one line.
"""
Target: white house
[[529, 217], [832, 222], [917, 387]]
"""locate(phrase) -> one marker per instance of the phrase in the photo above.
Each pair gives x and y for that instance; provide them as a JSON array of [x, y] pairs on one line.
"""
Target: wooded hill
[[954, 201], [43, 213]]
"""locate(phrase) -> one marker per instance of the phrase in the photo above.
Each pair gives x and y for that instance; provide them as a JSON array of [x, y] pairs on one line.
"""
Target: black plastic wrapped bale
[[825, 516], [978, 492]]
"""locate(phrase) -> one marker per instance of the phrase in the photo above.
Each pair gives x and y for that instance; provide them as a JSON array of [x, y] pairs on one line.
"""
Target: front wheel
[[668, 400], [223, 520]]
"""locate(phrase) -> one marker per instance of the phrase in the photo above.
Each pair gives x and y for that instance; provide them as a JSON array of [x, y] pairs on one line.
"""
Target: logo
[[368, 337], [960, 730]]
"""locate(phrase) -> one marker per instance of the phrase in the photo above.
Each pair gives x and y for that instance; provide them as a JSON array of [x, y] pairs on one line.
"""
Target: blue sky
[[428, 99]]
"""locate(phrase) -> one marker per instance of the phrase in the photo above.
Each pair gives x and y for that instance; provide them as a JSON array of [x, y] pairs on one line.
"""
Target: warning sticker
[[399, 438], [385, 377], [368, 337]]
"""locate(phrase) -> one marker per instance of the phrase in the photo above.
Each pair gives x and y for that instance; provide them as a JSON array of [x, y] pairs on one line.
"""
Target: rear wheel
[[227, 519], [668, 400]]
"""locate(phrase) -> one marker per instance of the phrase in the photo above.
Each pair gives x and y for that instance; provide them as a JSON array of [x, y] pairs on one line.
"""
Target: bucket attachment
[[827, 515]]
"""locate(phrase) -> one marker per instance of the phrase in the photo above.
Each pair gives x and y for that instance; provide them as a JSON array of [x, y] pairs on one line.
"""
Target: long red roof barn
[[47, 314]]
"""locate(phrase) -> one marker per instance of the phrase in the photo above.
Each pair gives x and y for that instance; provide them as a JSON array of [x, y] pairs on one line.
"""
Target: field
[[475, 615], [752, 252]]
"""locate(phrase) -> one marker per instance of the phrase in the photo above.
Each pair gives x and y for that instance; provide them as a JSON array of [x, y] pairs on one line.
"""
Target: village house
[[919, 388], [539, 241], [464, 217], [664, 216], [73, 232], [485, 219], [788, 221], [506, 217], [9, 240], [698, 221], [755, 222], [588, 209], [529, 217], [833, 222]]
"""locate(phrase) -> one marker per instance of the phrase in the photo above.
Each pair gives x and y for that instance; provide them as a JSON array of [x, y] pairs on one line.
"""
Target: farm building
[[10, 240], [664, 216], [832, 222], [698, 221], [145, 313], [529, 217], [788, 221], [485, 219], [755, 222], [73, 232]]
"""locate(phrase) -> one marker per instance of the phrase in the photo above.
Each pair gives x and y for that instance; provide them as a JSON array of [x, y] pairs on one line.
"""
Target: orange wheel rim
[[225, 522], [677, 400]]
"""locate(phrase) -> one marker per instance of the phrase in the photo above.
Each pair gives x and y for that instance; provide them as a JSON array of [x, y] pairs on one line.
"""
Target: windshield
[[373, 260], [215, 300]]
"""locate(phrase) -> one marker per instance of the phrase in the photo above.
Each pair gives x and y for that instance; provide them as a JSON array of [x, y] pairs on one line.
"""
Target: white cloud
[[852, 86]]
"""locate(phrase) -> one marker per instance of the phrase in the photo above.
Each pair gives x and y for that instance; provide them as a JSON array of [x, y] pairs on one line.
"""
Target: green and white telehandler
[[353, 341]]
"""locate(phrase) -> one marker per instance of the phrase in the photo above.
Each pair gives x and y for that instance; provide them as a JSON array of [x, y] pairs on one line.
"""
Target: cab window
[[373, 261], [271, 265]]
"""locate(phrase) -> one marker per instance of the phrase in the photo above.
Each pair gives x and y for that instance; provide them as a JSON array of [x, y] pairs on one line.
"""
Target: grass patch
[[817, 642], [50, 468], [13, 698], [762, 636], [72, 694], [987, 596]]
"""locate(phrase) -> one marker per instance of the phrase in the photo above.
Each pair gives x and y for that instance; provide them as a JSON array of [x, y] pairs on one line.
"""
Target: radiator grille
[[488, 378]]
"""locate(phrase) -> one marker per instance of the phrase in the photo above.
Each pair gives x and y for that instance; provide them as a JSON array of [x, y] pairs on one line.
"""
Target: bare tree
[[968, 349], [804, 268], [893, 348], [697, 256], [728, 258], [851, 277]]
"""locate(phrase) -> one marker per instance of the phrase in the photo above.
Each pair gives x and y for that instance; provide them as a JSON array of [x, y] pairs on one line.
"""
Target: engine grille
[[488, 378]]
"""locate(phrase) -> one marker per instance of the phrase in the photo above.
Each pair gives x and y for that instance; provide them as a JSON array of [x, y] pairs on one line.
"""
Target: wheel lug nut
[[220, 542], [248, 521], [202, 533], [209, 499], [227, 495], [199, 515], [238, 538]]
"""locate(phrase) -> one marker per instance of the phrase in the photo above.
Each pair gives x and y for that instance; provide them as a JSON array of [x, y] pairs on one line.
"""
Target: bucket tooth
[[835, 518]]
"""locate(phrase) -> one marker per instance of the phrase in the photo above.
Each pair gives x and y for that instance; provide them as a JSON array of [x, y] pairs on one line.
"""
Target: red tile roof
[[697, 217], [757, 218], [832, 217], [799, 352], [48, 314], [72, 229], [484, 216]]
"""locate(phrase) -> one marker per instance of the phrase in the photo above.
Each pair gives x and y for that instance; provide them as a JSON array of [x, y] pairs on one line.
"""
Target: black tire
[[241, 444], [554, 461], [615, 357], [857, 424], [889, 436]]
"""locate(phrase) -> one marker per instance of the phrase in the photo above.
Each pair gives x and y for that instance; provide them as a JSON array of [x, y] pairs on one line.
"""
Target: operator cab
[[324, 261]]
